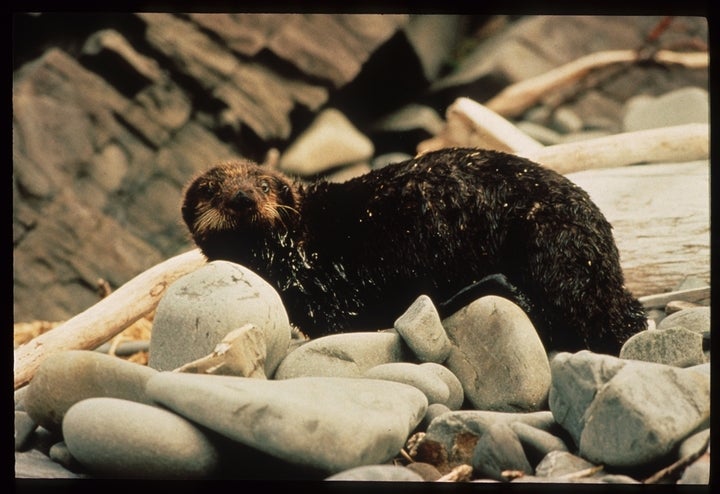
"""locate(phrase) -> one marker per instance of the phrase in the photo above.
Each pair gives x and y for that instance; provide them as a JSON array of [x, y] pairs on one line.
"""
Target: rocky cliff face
[[113, 114]]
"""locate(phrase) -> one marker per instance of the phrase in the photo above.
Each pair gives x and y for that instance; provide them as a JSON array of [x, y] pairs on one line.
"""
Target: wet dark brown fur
[[354, 255]]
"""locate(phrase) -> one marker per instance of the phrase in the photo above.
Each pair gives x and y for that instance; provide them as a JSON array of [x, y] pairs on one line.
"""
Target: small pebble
[[422, 330], [378, 473], [421, 378], [499, 449], [120, 438], [24, 428]]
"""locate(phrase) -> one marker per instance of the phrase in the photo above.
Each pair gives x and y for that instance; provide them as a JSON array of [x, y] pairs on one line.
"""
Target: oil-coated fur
[[354, 255]]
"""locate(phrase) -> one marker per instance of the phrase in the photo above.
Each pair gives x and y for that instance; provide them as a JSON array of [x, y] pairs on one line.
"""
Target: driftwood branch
[[472, 124], [517, 98], [680, 143], [111, 315], [659, 301]]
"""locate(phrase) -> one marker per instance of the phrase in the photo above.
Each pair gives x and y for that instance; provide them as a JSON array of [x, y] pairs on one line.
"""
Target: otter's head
[[237, 200]]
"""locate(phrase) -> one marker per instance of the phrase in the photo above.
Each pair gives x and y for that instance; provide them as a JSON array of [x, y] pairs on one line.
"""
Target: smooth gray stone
[[428, 472], [421, 328], [696, 319], [120, 438], [576, 379], [60, 453], [457, 395], [34, 464], [449, 428], [24, 428], [425, 380], [675, 346], [537, 443], [378, 473], [201, 308], [330, 140], [343, 355], [65, 378], [681, 106], [499, 449], [697, 473], [627, 413], [434, 410], [643, 413], [559, 463], [693, 443], [329, 423], [498, 357]]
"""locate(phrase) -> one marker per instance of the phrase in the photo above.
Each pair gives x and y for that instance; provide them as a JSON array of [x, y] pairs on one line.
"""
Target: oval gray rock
[[421, 328], [696, 319], [201, 308], [626, 413], [498, 357], [66, 378], [127, 439], [426, 381], [644, 412], [457, 396], [343, 355], [675, 346], [453, 430], [330, 423], [378, 473], [497, 450]]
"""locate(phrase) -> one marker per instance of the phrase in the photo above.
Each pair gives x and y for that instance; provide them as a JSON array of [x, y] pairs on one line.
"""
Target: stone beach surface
[[347, 406], [473, 397]]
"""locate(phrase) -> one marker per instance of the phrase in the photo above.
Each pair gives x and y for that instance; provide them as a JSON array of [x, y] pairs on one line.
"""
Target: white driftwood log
[[108, 317], [470, 123], [517, 98], [687, 142], [660, 215]]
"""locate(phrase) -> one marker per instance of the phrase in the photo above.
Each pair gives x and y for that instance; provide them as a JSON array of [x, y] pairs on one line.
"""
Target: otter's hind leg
[[575, 278]]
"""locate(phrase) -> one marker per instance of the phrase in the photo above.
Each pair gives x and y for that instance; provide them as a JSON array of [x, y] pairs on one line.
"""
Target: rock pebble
[[537, 443], [378, 473], [696, 319], [559, 463], [343, 355], [24, 428], [498, 356], [499, 449], [675, 346], [624, 413], [201, 308], [681, 106], [451, 437], [65, 378], [120, 438], [34, 464], [429, 383], [330, 141], [456, 397], [331, 424], [421, 328]]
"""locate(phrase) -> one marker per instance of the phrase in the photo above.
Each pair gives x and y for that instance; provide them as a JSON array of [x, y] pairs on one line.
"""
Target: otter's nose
[[240, 201]]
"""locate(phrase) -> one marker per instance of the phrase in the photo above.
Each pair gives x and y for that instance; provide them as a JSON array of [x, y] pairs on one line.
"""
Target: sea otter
[[354, 255]]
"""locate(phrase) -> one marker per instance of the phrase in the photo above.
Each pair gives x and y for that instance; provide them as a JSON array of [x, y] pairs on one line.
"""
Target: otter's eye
[[211, 186], [264, 187]]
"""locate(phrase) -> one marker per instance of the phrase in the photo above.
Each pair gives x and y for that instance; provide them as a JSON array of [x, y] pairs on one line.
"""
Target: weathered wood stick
[[660, 300], [105, 319], [679, 143], [517, 98]]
